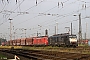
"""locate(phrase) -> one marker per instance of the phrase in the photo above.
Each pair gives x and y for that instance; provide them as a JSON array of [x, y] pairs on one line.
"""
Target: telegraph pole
[[71, 28], [10, 29], [25, 32], [86, 30], [80, 29], [57, 27], [55, 30]]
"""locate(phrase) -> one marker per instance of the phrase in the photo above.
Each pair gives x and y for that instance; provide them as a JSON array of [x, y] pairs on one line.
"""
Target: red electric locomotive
[[42, 40]]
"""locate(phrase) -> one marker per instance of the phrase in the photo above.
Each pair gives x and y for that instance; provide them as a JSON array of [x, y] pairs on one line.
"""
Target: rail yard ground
[[54, 53], [79, 49]]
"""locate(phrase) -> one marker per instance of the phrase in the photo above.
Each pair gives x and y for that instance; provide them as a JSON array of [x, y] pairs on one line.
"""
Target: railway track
[[48, 55]]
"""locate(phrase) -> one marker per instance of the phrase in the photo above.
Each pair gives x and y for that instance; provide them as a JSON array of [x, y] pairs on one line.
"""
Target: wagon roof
[[29, 38], [17, 39], [23, 38], [40, 36]]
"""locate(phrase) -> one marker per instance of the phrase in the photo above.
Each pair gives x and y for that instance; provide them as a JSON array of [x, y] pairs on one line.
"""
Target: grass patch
[[2, 57], [9, 47], [85, 49]]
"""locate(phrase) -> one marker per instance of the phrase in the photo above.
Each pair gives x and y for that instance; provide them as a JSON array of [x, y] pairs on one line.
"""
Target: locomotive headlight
[[73, 39]]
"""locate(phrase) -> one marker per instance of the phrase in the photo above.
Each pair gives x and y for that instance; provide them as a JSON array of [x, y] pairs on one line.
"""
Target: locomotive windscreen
[[72, 36]]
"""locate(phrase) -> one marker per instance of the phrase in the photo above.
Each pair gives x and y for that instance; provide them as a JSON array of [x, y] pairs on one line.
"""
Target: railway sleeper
[[21, 54], [48, 56], [28, 56], [36, 56], [83, 57], [31, 56]]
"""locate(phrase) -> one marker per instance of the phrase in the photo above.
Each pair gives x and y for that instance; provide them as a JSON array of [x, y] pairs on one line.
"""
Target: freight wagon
[[54, 40], [14, 42], [23, 41], [18, 42], [33, 41], [29, 41]]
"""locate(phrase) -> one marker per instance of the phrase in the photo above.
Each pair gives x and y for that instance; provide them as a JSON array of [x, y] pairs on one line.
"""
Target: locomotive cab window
[[72, 36]]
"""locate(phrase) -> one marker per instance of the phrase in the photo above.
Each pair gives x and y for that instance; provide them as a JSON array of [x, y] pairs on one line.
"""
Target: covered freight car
[[29, 41], [23, 41], [14, 42], [8, 43], [18, 42], [11, 42]]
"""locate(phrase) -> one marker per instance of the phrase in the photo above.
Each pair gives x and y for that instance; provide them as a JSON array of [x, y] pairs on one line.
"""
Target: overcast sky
[[30, 16]]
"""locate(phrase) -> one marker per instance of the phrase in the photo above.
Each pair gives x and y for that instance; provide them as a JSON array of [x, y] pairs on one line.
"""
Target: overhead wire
[[5, 4], [56, 17], [7, 16], [45, 11], [11, 13], [70, 13], [44, 22], [37, 15], [60, 15], [30, 8], [34, 17], [39, 3], [65, 16], [14, 10]]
